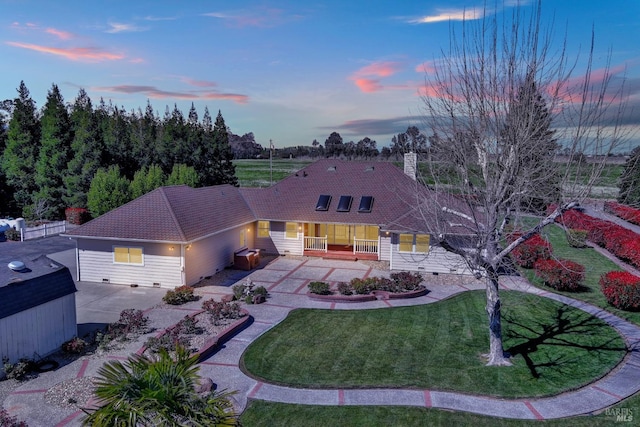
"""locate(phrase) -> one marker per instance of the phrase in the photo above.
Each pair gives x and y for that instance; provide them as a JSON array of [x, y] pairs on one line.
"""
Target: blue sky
[[290, 71]]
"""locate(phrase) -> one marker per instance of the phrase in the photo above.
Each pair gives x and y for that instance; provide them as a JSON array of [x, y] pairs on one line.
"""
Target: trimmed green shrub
[[344, 288], [320, 288], [577, 238], [180, 295]]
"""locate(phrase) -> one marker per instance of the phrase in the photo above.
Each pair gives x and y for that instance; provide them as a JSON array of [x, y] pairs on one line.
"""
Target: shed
[[37, 308]]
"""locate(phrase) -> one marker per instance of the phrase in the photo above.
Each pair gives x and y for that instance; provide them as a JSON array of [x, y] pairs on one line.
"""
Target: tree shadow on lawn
[[570, 328]]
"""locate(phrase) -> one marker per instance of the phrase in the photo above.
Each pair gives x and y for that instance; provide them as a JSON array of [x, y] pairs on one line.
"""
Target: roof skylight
[[323, 202], [366, 203], [344, 205]]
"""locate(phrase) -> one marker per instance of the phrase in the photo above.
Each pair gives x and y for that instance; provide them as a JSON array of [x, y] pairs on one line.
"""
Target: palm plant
[[157, 391]]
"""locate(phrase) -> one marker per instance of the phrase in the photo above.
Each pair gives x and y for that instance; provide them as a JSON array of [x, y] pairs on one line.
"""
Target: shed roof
[[42, 281]]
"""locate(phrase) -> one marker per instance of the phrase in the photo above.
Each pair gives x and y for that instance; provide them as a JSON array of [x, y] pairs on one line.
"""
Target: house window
[[124, 255], [292, 230], [418, 243], [406, 243], [263, 228], [422, 243]]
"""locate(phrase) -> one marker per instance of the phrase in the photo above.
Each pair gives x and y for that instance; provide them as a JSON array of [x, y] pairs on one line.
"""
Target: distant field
[[256, 173]]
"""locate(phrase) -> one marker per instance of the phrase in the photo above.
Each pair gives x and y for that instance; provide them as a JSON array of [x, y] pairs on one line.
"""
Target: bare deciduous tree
[[497, 153]]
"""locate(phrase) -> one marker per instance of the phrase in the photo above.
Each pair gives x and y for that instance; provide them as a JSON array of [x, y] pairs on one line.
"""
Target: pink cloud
[[368, 85], [198, 83], [155, 93], [89, 54], [426, 68], [63, 35], [571, 91], [365, 77], [235, 97]]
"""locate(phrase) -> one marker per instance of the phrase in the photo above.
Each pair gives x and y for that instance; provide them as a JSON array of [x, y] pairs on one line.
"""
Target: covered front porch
[[341, 241]]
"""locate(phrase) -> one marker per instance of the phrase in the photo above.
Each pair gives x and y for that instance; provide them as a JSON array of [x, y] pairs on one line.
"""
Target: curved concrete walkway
[[287, 279]]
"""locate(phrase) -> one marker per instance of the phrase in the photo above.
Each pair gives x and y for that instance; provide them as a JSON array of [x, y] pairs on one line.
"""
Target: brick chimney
[[410, 164]]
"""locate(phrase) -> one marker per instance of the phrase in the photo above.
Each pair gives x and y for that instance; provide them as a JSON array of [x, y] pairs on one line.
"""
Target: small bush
[[180, 295], [344, 288], [7, 420], [621, 289], [577, 238], [131, 321], [261, 290], [239, 291], [12, 234], [19, 370], [77, 216], [364, 286], [169, 341], [219, 310], [406, 281], [74, 346], [528, 252], [188, 326], [320, 288], [560, 274]]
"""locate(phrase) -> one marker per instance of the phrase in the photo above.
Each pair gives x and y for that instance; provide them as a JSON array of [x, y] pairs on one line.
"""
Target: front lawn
[[270, 414], [439, 347]]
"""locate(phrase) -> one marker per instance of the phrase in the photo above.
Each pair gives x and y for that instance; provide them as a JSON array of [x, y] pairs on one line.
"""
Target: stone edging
[[375, 295], [212, 343]]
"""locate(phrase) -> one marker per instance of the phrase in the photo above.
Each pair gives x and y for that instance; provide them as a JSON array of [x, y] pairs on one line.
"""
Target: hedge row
[[622, 211], [620, 241]]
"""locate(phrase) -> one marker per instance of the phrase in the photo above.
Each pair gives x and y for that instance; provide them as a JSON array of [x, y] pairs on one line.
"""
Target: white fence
[[43, 230]]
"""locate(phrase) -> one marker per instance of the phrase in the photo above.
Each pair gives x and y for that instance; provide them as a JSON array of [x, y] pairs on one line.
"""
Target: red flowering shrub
[[77, 216], [528, 252], [622, 211], [621, 289], [560, 274], [618, 240]]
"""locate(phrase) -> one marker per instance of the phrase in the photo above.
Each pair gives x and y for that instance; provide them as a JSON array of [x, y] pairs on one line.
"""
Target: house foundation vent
[[156, 284], [105, 280]]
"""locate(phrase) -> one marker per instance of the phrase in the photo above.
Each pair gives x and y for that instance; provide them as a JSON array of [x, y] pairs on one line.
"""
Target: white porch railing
[[365, 246], [315, 243], [43, 230]]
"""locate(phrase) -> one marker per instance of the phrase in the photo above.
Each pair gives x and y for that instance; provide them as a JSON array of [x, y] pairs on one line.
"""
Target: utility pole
[[271, 162]]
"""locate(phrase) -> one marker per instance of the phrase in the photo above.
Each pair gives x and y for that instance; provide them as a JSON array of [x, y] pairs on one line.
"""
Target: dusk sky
[[290, 71]]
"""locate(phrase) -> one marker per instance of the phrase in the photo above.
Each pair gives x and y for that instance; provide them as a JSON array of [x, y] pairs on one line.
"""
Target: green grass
[[257, 173], [438, 347], [595, 266], [270, 414]]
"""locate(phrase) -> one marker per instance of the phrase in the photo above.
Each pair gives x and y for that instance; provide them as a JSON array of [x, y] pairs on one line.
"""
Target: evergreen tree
[[629, 182], [115, 126], [21, 151], [86, 151], [333, 145], [183, 174], [53, 156], [146, 180], [173, 144], [528, 120], [144, 136], [224, 168], [6, 192], [108, 190]]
